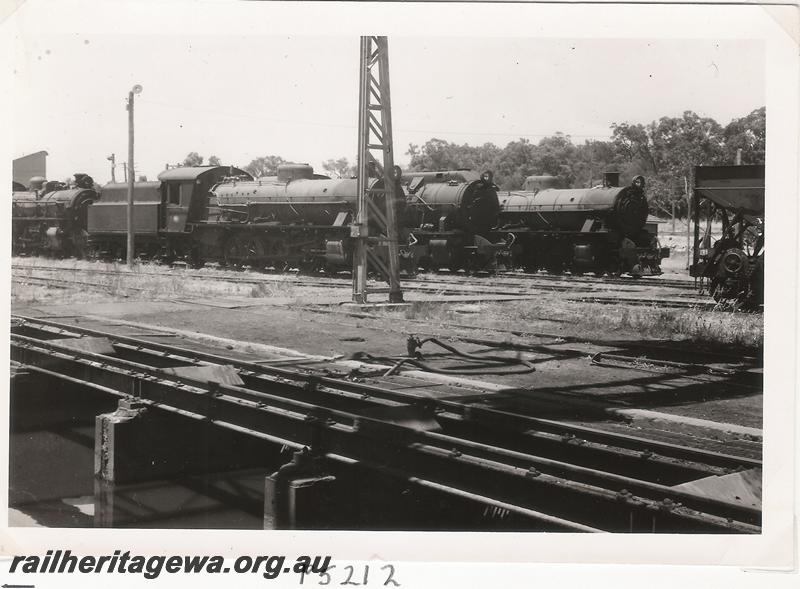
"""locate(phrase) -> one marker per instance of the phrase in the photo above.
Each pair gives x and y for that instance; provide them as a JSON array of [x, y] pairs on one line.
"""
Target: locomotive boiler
[[51, 218], [602, 229], [296, 219], [448, 215]]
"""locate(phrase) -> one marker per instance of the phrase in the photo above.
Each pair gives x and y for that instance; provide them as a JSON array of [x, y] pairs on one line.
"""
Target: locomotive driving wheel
[[240, 251], [257, 253], [234, 252]]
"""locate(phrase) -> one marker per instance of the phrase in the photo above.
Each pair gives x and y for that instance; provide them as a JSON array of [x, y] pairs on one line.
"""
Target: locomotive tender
[[165, 214]]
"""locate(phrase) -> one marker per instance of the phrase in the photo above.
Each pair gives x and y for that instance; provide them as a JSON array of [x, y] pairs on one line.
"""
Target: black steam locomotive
[[300, 219], [222, 214], [602, 229], [448, 218], [457, 220], [50, 217]]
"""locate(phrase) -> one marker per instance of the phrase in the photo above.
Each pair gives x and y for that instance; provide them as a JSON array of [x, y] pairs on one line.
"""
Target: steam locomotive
[[50, 217], [602, 229], [222, 214], [458, 220], [453, 219], [448, 218]]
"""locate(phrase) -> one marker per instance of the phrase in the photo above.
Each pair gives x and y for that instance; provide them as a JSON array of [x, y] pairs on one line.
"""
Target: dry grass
[[80, 281], [596, 321], [723, 327], [548, 314]]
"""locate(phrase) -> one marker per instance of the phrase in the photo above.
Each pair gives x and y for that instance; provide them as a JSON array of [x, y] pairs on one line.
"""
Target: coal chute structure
[[729, 262]]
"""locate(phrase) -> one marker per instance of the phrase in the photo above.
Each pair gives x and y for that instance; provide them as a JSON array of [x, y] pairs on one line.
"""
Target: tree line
[[663, 151]]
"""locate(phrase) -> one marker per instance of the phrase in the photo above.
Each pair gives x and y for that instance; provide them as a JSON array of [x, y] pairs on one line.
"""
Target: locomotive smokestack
[[610, 179]]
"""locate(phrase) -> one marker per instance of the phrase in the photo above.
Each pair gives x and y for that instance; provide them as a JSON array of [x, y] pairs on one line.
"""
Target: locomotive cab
[[185, 194]]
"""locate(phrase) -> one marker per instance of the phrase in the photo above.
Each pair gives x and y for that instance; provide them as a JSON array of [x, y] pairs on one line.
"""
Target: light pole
[[112, 158], [137, 89]]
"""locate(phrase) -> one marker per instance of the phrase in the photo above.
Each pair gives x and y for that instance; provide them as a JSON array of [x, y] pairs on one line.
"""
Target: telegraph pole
[[112, 158], [130, 173], [374, 136]]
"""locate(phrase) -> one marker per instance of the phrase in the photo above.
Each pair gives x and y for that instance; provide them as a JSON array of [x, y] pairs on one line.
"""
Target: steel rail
[[62, 283], [450, 284], [472, 412], [508, 476], [513, 275], [423, 441], [700, 305], [321, 282], [293, 428], [343, 395]]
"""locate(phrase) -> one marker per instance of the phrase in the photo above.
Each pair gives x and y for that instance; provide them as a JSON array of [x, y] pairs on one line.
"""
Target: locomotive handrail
[[422, 200], [226, 210]]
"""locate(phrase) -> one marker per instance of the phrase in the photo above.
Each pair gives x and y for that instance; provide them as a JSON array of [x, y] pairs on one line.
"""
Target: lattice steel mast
[[375, 135]]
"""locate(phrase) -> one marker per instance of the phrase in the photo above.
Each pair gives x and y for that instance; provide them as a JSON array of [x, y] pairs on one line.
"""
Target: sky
[[239, 93]]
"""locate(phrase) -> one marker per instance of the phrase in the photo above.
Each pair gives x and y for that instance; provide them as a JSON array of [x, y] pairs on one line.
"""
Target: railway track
[[562, 282], [643, 281], [521, 277], [558, 475], [476, 286], [67, 284], [453, 286]]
